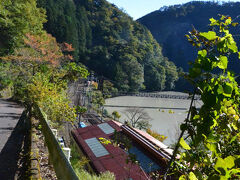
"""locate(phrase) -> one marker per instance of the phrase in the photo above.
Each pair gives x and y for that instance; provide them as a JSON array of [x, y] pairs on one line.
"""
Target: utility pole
[[100, 86]]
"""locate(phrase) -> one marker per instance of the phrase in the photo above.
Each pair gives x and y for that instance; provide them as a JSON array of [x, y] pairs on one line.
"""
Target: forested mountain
[[169, 25], [109, 42]]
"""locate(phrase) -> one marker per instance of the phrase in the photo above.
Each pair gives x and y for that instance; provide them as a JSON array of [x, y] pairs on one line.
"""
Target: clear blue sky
[[139, 8]]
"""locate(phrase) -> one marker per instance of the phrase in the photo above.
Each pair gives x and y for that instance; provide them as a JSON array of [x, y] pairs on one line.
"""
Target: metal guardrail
[[62, 166]]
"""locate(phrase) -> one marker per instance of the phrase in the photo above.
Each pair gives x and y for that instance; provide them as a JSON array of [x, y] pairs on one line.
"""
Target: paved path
[[9, 115], [13, 138]]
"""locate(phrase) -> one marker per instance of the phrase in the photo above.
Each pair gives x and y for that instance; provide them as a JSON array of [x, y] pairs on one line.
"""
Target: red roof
[[115, 161]]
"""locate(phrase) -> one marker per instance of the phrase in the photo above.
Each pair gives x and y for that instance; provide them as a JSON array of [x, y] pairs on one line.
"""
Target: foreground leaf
[[184, 144], [210, 35]]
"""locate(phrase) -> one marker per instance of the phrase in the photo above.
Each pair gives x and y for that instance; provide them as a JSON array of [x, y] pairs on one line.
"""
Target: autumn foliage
[[42, 69], [41, 49], [156, 135]]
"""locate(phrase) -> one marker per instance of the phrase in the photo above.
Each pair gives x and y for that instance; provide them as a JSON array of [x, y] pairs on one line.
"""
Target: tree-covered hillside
[[169, 25], [14, 24], [109, 42]]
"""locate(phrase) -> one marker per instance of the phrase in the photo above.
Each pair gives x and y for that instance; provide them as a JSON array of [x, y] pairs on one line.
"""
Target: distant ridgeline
[[109, 42], [170, 24]]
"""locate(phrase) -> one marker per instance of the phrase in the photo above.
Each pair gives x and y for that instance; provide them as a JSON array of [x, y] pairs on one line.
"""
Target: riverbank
[[167, 114]]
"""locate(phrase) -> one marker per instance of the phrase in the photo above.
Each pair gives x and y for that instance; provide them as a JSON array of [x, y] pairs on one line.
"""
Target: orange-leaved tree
[[43, 69]]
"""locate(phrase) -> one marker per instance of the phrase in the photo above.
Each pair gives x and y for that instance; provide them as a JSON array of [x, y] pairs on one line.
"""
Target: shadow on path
[[14, 155]]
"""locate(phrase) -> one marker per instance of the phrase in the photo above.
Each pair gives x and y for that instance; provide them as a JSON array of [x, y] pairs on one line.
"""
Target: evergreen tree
[[110, 43]]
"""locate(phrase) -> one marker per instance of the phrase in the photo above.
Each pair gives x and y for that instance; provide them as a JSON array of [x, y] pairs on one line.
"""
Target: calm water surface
[[162, 121]]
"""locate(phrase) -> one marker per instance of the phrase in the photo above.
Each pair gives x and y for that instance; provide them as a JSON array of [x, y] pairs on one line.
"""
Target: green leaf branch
[[211, 149]]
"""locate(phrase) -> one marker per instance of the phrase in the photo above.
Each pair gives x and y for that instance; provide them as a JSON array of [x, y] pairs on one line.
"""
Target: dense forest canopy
[[109, 42], [169, 25]]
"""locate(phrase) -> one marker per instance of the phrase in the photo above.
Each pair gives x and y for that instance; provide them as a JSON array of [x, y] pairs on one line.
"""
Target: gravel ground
[[46, 170]]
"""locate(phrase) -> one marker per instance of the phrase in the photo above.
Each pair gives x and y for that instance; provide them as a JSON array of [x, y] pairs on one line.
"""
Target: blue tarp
[[82, 125]]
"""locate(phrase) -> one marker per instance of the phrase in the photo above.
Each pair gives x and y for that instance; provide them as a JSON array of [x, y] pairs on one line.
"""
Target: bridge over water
[[146, 107], [155, 95]]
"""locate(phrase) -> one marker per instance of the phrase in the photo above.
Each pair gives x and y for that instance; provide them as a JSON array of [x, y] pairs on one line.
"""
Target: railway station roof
[[113, 158], [106, 157]]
